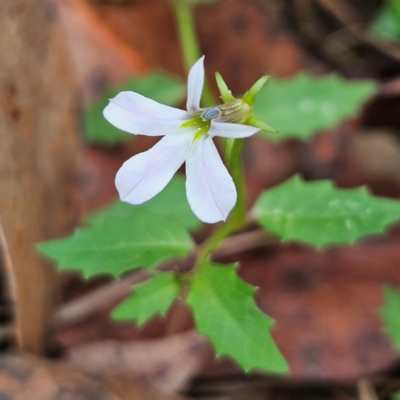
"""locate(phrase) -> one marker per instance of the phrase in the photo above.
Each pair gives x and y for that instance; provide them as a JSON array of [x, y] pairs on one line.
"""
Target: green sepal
[[226, 94], [253, 121], [250, 96]]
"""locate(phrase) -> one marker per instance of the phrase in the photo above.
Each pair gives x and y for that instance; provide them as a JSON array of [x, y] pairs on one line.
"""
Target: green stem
[[232, 158], [191, 53], [207, 247], [189, 44]]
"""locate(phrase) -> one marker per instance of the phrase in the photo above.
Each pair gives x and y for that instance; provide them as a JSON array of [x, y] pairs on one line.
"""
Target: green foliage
[[224, 310], [150, 298], [386, 26], [390, 314], [300, 107], [169, 202], [317, 213], [157, 86], [396, 396], [118, 244]]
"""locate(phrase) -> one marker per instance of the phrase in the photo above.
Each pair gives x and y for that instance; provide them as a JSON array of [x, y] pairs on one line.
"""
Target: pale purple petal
[[209, 187], [134, 113], [229, 130], [195, 85], [146, 174]]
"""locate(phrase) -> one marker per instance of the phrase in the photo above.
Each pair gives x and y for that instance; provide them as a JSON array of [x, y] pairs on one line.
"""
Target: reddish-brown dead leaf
[[24, 377], [168, 363], [326, 305]]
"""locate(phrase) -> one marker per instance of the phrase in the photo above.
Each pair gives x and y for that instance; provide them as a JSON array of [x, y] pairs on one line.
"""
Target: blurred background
[[61, 59]]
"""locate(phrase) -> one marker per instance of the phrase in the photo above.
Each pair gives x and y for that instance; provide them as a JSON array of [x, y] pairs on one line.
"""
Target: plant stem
[[232, 158], [207, 247], [183, 10], [190, 49]]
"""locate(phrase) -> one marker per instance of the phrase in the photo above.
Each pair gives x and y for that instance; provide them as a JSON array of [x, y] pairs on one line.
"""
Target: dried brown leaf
[[167, 363]]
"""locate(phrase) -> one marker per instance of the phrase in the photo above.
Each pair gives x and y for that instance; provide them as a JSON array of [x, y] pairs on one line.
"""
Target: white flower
[[188, 137]]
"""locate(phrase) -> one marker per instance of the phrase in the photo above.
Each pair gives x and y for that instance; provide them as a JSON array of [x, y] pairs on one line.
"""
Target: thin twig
[[243, 242], [86, 306]]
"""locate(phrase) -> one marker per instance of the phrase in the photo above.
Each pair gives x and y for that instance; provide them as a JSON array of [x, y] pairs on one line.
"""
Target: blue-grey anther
[[210, 113]]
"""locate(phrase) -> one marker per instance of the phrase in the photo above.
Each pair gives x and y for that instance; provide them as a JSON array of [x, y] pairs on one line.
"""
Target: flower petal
[[134, 113], [229, 130], [209, 187], [144, 175], [195, 85]]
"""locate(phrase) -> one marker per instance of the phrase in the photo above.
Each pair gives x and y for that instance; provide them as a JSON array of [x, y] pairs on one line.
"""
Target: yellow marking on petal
[[203, 126], [192, 122], [200, 132]]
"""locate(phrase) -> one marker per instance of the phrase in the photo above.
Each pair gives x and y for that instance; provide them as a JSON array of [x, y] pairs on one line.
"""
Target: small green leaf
[[386, 25], [300, 107], [150, 298], [319, 214], [157, 86], [224, 310], [118, 244], [170, 202], [390, 314], [396, 396]]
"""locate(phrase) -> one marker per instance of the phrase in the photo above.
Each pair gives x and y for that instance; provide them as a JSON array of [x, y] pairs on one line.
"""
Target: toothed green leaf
[[302, 106], [319, 214], [119, 244], [224, 310], [152, 297]]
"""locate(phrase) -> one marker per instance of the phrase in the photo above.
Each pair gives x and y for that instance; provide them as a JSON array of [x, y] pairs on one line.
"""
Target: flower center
[[200, 122], [233, 112]]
